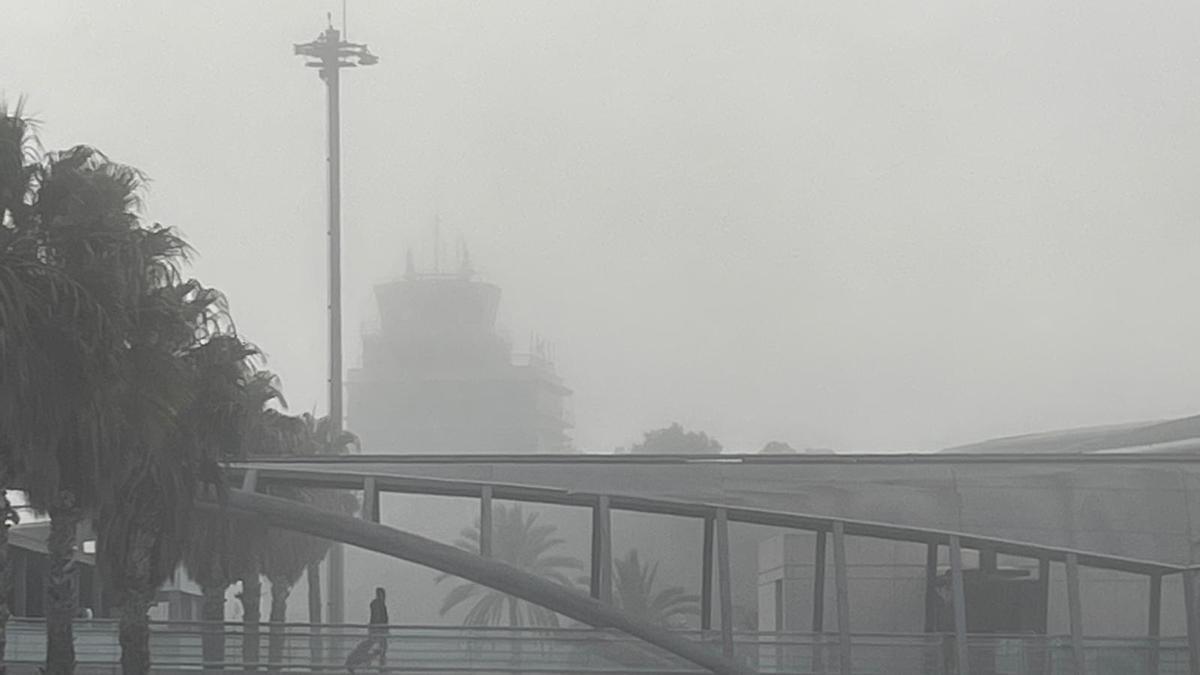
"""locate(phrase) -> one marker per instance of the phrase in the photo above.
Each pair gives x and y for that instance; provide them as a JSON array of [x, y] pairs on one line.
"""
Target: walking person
[[379, 623], [376, 643]]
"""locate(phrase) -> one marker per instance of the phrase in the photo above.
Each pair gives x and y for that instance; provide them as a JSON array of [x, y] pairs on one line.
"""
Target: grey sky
[[872, 226]]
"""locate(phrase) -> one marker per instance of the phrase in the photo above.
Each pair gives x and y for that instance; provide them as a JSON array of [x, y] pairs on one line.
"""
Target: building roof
[[1153, 436]]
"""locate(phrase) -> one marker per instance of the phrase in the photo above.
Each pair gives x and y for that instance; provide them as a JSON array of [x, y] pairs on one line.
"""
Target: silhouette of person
[[379, 623]]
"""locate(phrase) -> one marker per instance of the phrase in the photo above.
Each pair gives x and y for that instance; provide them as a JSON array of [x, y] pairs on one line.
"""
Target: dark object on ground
[[367, 651]]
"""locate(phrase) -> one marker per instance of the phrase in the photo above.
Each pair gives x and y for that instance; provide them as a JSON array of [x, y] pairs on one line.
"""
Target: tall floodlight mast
[[329, 54]]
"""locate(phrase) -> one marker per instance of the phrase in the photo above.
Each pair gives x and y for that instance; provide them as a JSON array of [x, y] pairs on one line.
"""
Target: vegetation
[[222, 550], [123, 386], [634, 591], [93, 308], [675, 440], [520, 541], [287, 555]]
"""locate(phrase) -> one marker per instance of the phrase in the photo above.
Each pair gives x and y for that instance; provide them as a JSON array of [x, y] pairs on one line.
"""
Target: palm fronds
[[521, 541]]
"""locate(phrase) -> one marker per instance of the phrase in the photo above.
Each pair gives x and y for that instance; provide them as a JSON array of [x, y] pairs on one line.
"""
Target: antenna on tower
[[345, 31]]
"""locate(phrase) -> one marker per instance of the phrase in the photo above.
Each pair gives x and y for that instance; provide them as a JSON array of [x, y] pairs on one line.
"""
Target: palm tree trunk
[[134, 631], [61, 586], [313, 572], [213, 615], [280, 590], [134, 627], [5, 572], [251, 617]]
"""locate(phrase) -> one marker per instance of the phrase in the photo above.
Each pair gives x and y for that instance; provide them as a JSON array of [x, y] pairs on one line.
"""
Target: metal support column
[[725, 583], [1155, 622], [931, 596], [933, 652], [1193, 621], [818, 603], [601, 551], [841, 585], [485, 521], [370, 507], [962, 654], [818, 599], [1075, 611], [706, 578], [1044, 616]]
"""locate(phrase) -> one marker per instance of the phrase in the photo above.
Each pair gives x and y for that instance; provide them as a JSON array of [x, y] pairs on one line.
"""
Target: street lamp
[[329, 53]]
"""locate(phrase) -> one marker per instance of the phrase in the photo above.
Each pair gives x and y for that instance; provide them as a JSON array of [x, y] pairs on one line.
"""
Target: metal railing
[[178, 647]]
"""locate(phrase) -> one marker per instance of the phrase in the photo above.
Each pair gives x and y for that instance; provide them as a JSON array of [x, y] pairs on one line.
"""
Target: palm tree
[[180, 402], [321, 439], [272, 434], [81, 231], [220, 549], [287, 555], [23, 282], [522, 542], [634, 592], [74, 262]]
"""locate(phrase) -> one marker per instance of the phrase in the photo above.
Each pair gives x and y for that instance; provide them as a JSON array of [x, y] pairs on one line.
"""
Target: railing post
[[485, 521], [962, 653], [1075, 611], [726, 583], [933, 651], [1154, 627], [841, 585], [370, 507], [601, 551], [250, 480], [706, 576], [1193, 621], [931, 596], [1044, 656], [818, 604]]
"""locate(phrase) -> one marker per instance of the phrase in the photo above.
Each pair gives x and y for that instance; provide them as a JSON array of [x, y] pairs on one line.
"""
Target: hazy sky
[[875, 226]]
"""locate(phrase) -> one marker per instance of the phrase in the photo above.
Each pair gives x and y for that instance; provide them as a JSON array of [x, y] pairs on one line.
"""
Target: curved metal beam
[[286, 514]]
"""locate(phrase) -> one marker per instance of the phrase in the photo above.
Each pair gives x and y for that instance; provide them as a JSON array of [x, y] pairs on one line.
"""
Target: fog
[[865, 226]]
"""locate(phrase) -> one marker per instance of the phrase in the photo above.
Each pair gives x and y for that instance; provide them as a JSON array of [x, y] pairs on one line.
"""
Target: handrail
[[749, 459], [454, 650]]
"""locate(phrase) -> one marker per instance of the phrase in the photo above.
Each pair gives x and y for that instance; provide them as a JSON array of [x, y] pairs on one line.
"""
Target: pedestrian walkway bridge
[[613, 641], [718, 649]]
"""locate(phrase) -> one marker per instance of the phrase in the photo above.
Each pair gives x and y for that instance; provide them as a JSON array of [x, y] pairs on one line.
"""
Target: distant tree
[[675, 440], [520, 541], [778, 448], [634, 592]]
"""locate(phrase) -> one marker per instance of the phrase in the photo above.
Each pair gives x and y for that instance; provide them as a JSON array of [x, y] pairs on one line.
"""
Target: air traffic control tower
[[437, 377]]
